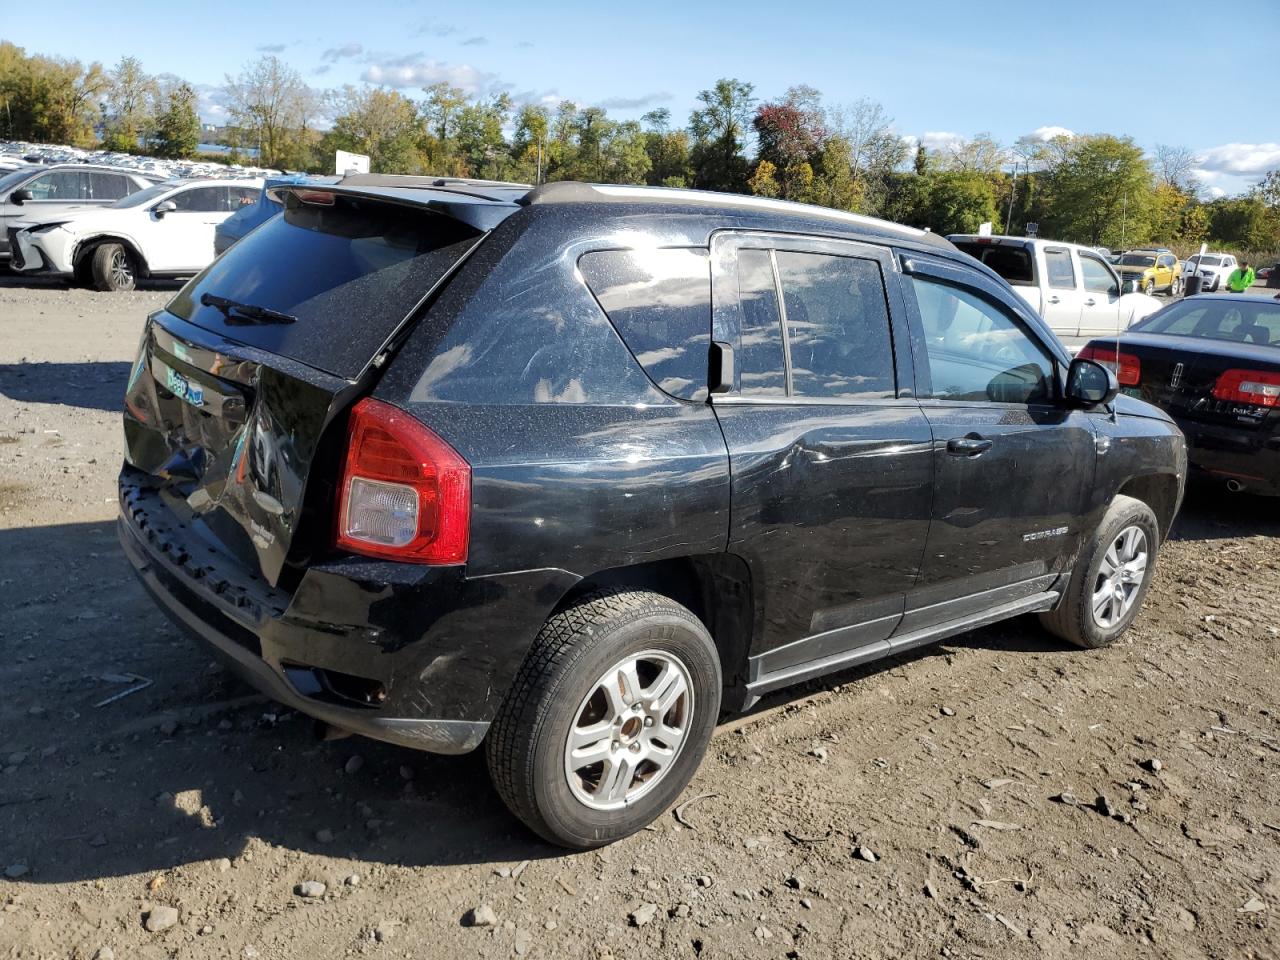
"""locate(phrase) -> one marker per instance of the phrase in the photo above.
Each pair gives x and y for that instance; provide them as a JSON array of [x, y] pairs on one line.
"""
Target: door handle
[[1089, 302], [971, 446], [1054, 300]]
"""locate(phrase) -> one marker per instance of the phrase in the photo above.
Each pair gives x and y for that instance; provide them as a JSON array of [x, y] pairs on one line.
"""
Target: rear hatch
[[239, 377]]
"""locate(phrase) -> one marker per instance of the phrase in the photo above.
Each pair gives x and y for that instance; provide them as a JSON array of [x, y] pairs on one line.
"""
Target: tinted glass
[[660, 303], [761, 368], [1137, 260], [978, 351], [1012, 263], [109, 186], [1097, 278], [1235, 320], [837, 326], [201, 200], [60, 185], [1058, 265], [350, 273]]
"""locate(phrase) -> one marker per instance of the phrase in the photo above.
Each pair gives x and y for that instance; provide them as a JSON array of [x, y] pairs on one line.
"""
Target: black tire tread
[[507, 746]]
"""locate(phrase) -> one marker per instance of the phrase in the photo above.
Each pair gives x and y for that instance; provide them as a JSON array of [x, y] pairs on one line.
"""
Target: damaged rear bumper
[[414, 656]]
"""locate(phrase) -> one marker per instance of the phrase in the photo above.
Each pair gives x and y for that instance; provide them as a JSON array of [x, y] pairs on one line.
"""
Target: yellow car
[[1154, 270]]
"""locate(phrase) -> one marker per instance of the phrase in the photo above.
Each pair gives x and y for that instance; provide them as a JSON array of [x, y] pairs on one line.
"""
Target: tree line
[[1098, 189]]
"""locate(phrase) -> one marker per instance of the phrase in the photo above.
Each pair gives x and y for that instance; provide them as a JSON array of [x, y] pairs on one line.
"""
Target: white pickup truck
[[1073, 288]]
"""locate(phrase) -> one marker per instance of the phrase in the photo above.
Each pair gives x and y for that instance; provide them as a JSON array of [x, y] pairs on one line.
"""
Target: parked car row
[[590, 464], [165, 230]]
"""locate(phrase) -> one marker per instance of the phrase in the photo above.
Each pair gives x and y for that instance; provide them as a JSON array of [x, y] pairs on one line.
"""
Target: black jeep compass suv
[[569, 471]]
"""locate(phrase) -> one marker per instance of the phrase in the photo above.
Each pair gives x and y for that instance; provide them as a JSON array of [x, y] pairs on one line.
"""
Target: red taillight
[[405, 494], [322, 198], [1258, 387], [1127, 367]]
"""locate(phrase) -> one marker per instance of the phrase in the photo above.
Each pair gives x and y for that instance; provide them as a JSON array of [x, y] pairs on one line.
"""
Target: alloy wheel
[[121, 269], [629, 730], [1120, 577]]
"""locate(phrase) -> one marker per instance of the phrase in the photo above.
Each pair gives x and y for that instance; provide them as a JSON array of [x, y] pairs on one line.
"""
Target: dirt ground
[[922, 807]]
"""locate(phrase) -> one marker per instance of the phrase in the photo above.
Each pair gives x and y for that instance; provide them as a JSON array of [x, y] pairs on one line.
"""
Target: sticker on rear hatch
[[182, 388]]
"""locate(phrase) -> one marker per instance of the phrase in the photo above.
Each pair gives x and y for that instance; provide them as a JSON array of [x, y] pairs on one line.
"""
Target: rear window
[[659, 301], [1234, 320], [1012, 263], [349, 273]]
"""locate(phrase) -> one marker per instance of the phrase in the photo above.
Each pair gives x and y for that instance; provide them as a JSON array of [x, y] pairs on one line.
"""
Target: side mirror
[[1090, 384], [21, 196], [160, 209]]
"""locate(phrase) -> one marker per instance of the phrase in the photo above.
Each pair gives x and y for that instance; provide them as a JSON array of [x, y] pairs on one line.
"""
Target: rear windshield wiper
[[242, 313]]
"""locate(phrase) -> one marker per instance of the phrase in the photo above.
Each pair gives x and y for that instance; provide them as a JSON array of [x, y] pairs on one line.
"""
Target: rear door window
[[350, 273], [837, 326], [109, 186], [1062, 275], [201, 200], [659, 301]]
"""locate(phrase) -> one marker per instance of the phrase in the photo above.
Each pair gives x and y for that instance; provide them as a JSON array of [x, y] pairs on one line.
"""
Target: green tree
[[267, 102], [718, 128], [130, 107], [382, 124], [956, 201], [177, 126], [1101, 192], [668, 150]]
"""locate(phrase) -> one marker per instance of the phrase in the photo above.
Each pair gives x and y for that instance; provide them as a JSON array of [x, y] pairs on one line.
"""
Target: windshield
[[143, 197], [1227, 319], [1137, 260], [1208, 261], [14, 177], [349, 272]]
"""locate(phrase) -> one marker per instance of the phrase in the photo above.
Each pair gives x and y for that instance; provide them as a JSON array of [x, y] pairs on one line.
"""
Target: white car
[[1072, 287], [163, 231], [1214, 269]]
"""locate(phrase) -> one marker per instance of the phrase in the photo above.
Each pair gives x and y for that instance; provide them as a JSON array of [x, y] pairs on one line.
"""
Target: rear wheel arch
[[716, 588]]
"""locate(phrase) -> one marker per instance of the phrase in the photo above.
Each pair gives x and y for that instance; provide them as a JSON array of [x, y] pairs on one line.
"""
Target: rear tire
[[113, 268], [573, 683], [1111, 577]]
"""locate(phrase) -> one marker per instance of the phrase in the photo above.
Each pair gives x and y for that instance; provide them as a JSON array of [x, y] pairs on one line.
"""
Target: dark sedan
[[1212, 362]]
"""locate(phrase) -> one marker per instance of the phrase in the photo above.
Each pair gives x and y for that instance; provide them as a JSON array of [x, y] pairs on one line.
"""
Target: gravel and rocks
[[225, 817]]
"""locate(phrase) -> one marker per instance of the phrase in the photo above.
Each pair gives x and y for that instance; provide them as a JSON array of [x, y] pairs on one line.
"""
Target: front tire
[[1111, 577], [1149, 287], [608, 718], [113, 268], [1175, 288]]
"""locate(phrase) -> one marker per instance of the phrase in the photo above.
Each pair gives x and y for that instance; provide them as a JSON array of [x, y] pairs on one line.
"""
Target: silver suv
[[38, 192]]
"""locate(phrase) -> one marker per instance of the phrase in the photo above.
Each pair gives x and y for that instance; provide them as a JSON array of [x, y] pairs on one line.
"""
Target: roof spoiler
[[483, 213]]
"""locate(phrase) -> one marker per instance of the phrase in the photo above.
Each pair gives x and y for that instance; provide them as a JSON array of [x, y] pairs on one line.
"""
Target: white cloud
[[1045, 134], [346, 50], [634, 103], [941, 139], [1215, 192], [404, 72], [211, 104], [1241, 159]]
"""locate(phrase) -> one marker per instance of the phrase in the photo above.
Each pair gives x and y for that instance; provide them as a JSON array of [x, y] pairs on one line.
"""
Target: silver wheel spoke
[[1121, 573], [617, 777], [666, 690], [629, 730]]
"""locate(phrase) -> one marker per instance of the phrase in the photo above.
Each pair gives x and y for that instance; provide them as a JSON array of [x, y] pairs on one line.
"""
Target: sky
[[1179, 73]]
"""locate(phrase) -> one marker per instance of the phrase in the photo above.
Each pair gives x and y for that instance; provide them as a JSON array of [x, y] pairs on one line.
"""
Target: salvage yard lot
[[948, 803]]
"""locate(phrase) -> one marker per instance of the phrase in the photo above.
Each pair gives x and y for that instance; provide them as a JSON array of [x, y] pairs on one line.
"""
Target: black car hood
[[1128, 406]]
